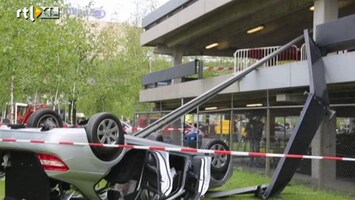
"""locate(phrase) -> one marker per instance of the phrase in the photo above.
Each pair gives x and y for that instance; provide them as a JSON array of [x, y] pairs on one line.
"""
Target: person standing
[[254, 132]]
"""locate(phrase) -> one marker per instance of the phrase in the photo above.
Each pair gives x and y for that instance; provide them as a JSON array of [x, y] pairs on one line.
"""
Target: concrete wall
[[185, 16], [339, 69]]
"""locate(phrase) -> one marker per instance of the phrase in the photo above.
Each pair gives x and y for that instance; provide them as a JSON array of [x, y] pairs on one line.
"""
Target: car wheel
[[105, 128], [45, 119], [219, 163], [160, 138]]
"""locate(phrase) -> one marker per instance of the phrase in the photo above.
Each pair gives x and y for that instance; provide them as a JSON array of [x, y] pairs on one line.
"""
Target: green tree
[[48, 57], [121, 64], [72, 59]]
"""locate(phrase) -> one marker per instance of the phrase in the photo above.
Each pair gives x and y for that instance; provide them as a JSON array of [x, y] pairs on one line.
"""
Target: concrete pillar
[[324, 11], [177, 55], [324, 142], [177, 136]]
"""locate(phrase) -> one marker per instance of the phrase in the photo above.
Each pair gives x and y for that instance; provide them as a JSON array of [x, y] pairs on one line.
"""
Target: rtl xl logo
[[38, 12]]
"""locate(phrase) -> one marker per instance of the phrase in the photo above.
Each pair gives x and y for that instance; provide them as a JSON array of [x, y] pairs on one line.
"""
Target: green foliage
[[115, 84], [72, 59], [44, 56], [118, 71]]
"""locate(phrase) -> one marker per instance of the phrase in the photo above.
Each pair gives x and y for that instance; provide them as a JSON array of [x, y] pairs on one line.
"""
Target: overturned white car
[[73, 163]]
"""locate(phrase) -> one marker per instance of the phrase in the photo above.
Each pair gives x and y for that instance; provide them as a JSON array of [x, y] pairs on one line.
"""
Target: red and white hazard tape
[[183, 149], [219, 68], [137, 128], [164, 129], [133, 129]]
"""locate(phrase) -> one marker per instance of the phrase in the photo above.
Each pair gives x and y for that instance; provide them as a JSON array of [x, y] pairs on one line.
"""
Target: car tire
[[219, 163], [160, 138], [105, 128], [46, 119]]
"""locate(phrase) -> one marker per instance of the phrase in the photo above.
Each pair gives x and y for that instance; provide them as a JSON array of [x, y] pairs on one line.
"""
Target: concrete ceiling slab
[[227, 23]]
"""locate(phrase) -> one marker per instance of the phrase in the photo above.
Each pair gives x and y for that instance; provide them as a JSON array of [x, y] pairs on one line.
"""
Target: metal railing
[[246, 57], [304, 55]]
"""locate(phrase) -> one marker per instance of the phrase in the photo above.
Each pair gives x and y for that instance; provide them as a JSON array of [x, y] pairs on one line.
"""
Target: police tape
[[164, 129], [222, 68], [181, 149]]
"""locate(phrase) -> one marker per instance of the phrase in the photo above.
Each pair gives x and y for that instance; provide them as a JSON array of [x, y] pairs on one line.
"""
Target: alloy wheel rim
[[218, 161], [107, 132]]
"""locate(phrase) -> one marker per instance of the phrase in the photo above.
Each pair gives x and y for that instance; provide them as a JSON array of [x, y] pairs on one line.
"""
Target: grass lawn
[[242, 179], [246, 179], [2, 189]]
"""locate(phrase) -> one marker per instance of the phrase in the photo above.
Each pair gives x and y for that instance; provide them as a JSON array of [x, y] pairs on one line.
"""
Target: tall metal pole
[[232, 124], [12, 100], [210, 93], [267, 164], [198, 126], [182, 125]]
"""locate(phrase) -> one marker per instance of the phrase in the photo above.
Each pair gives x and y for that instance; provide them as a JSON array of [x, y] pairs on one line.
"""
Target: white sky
[[115, 10]]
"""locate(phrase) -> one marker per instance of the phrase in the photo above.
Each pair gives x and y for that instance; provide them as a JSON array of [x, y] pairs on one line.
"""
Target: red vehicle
[[23, 112]]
